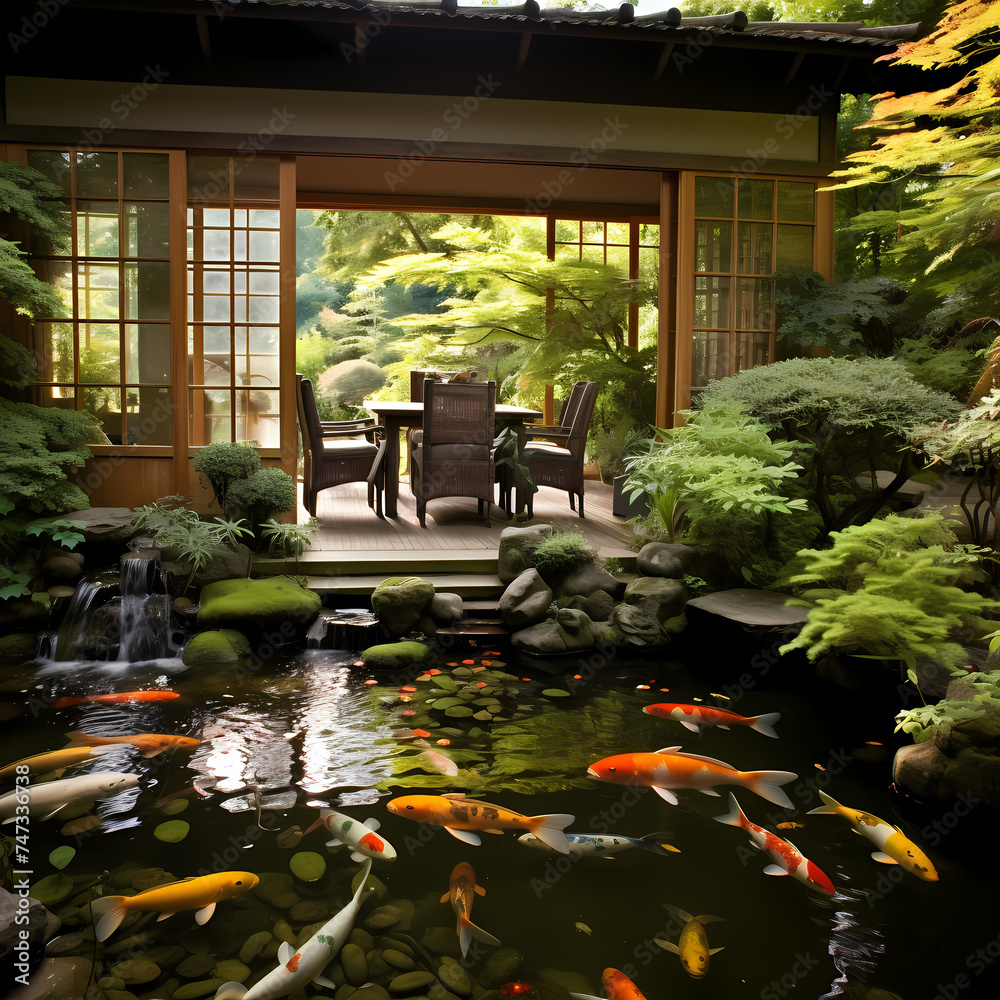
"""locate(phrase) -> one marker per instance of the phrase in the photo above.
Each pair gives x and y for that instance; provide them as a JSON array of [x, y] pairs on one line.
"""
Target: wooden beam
[[288, 431], [666, 334], [796, 63], [522, 50], [661, 63], [203, 37]]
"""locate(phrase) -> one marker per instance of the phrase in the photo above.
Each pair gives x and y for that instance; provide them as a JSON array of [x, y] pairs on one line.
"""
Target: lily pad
[[555, 693], [62, 856], [308, 866], [173, 831], [458, 712], [442, 704], [52, 889], [290, 838], [445, 683], [175, 806]]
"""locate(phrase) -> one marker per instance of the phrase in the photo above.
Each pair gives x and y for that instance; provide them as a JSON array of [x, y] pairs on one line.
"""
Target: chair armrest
[[352, 430], [546, 432]]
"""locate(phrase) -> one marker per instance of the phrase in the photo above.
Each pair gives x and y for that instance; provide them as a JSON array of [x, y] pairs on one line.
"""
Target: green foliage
[[289, 538], [984, 691], [951, 370], [852, 314], [18, 367], [719, 478], [892, 589], [266, 492], [560, 554], [971, 437], [611, 447], [14, 583], [222, 463], [350, 382]]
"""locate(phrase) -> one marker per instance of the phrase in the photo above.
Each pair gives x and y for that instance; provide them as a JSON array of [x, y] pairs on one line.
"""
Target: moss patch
[[274, 603], [218, 646], [395, 655]]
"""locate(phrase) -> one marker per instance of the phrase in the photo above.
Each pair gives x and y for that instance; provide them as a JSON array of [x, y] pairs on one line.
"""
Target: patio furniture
[[455, 455], [560, 464], [559, 433], [397, 415], [338, 451]]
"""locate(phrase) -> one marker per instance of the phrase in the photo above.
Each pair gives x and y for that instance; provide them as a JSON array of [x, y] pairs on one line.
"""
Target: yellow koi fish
[[54, 760], [692, 945], [894, 847], [200, 893]]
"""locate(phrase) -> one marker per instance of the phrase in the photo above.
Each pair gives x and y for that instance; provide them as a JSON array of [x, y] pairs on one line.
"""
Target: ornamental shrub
[[560, 554], [224, 462], [265, 493]]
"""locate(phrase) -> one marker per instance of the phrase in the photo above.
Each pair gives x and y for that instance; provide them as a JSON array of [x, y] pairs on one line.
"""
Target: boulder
[[446, 609], [570, 631], [516, 548], [920, 767], [588, 579], [403, 605], [526, 600], [215, 647], [663, 599], [40, 925], [599, 606], [105, 524], [229, 564], [277, 604], [395, 655], [62, 566], [638, 627], [667, 559], [17, 647]]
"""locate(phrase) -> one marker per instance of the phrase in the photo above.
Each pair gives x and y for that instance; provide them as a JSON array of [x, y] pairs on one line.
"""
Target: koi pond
[[281, 740]]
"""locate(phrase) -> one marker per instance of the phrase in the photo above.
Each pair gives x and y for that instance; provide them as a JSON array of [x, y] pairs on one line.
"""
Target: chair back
[[572, 404], [417, 379], [586, 397], [459, 413], [312, 431]]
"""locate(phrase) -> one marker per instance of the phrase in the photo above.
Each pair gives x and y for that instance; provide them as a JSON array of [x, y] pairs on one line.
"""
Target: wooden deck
[[354, 550]]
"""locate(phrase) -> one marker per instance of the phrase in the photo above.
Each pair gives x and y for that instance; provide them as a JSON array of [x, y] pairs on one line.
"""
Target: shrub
[[266, 492], [348, 383], [560, 554], [224, 462]]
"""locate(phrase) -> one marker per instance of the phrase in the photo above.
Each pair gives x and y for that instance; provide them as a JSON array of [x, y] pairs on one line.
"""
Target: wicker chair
[[336, 451], [453, 457], [559, 463]]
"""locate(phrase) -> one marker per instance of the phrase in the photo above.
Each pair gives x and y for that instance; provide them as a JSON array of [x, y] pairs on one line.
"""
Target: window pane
[[54, 352], [756, 198], [649, 266], [149, 417], [752, 349], [753, 304], [97, 175], [148, 224], [795, 246], [54, 164], [263, 340], [592, 254], [264, 245], [618, 256], [97, 228], [148, 353], [710, 358], [649, 235], [216, 244], [711, 302], [618, 232], [58, 274], [713, 196], [146, 175], [257, 417], [754, 256], [210, 420], [795, 201], [208, 178], [567, 231], [260, 370], [216, 308], [97, 291], [263, 310], [264, 283], [147, 290], [264, 218], [100, 353], [593, 232], [713, 246]]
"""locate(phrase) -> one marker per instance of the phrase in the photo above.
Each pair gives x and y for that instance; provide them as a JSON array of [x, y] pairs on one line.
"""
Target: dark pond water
[[284, 738]]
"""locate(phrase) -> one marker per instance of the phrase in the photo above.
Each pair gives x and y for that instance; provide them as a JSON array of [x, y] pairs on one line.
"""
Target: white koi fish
[[296, 968], [360, 837], [602, 845], [894, 847], [789, 859], [48, 797]]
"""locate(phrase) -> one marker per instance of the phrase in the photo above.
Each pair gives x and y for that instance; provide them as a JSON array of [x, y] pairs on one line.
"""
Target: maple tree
[[944, 145]]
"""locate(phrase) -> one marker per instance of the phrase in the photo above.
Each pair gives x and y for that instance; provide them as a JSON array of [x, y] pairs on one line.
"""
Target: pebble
[[362, 939], [397, 942], [254, 945], [437, 991], [273, 884], [64, 943], [454, 975], [383, 917], [370, 992], [410, 982], [203, 988], [500, 967], [345, 991], [355, 964], [149, 878], [135, 970], [229, 970], [377, 969], [111, 983], [196, 965], [285, 900], [309, 910], [398, 960], [283, 932]]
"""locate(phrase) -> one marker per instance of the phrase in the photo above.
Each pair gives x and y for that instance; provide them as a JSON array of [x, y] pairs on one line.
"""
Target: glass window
[[713, 245], [756, 199], [795, 247], [796, 201], [713, 197]]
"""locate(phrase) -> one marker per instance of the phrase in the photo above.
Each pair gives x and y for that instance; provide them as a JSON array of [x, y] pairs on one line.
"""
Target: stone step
[[388, 564], [466, 585]]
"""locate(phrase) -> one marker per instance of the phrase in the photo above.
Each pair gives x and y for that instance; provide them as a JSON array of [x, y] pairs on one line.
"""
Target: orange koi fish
[[694, 716], [200, 893], [152, 743], [462, 891], [789, 859], [457, 815], [54, 760], [115, 698], [669, 768], [617, 985]]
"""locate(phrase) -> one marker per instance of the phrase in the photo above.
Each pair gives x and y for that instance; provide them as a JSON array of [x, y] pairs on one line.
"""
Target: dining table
[[398, 415]]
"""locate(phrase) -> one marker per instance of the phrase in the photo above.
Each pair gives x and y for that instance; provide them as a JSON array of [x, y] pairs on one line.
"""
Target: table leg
[[390, 497]]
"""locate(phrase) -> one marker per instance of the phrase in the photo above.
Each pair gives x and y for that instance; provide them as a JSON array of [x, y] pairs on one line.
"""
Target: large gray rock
[[570, 631], [639, 628], [35, 919], [403, 605], [598, 607], [588, 579], [446, 609], [663, 599], [232, 563], [516, 548], [667, 559], [105, 524], [526, 600]]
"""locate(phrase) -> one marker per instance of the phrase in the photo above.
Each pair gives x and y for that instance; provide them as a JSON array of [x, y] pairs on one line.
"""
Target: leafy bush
[[266, 492], [224, 462], [891, 589], [920, 722], [348, 383], [560, 554]]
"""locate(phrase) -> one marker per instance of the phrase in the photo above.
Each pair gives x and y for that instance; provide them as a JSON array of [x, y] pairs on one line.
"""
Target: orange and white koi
[[669, 768], [152, 743], [692, 943], [462, 892], [360, 837], [789, 859], [459, 815], [894, 847], [616, 985], [693, 717], [200, 893]]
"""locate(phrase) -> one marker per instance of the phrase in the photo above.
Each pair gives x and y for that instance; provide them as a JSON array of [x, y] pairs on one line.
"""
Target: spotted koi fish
[[789, 859], [459, 816], [693, 717], [894, 847], [360, 837]]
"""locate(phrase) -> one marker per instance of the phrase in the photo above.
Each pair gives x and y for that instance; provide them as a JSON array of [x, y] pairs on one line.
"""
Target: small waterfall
[[93, 592], [144, 618]]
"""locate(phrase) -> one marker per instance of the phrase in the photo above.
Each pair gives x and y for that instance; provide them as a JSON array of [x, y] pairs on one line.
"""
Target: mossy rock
[[402, 603], [17, 647], [395, 655], [215, 647], [272, 604]]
